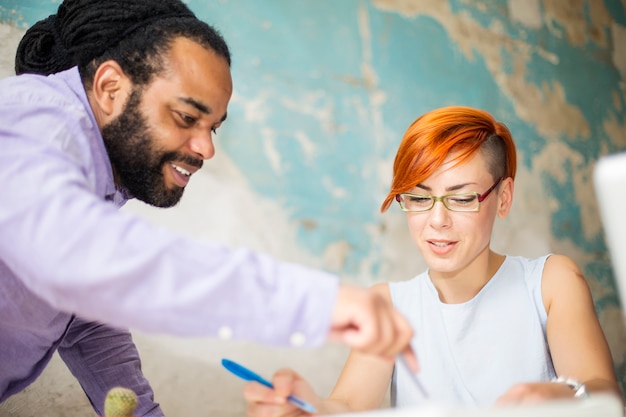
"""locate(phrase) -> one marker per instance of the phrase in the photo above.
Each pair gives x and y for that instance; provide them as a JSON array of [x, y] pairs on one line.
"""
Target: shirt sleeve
[[84, 256], [102, 357]]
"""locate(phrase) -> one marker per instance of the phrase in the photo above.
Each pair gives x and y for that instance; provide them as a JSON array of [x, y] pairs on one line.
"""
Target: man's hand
[[367, 322]]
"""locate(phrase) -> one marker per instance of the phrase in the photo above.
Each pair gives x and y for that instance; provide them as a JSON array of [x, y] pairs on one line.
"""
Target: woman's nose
[[439, 215]]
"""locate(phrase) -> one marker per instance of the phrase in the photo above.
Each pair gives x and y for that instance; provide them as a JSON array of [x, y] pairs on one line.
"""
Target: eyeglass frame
[[435, 199]]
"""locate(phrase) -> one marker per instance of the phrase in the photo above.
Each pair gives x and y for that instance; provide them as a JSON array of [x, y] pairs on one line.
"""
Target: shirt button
[[297, 339], [225, 333]]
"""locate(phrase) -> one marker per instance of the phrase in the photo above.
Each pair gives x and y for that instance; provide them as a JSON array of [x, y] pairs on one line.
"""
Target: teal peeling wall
[[324, 91]]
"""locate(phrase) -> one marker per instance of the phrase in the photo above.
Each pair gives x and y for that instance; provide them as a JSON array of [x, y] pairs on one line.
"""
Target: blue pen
[[248, 375]]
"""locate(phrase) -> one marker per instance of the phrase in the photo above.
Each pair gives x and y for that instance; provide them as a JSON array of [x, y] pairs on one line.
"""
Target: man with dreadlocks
[[116, 100]]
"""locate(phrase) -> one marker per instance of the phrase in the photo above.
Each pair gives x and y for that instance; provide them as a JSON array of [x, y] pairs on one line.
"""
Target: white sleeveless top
[[471, 353]]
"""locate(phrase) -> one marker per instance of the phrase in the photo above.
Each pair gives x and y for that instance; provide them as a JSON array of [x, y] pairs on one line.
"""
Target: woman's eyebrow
[[451, 188]]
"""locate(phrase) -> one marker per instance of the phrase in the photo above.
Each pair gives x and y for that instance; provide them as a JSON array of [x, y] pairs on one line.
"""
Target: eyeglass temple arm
[[486, 193]]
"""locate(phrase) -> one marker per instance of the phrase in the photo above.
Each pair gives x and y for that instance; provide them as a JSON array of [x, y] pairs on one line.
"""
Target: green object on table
[[120, 402]]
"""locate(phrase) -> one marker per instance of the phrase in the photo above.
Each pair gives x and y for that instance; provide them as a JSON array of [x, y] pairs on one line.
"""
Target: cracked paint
[[321, 101]]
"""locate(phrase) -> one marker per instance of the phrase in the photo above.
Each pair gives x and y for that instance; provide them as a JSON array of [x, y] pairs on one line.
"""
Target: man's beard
[[136, 161]]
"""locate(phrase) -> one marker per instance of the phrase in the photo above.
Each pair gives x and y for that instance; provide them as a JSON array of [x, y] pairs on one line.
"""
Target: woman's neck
[[461, 286]]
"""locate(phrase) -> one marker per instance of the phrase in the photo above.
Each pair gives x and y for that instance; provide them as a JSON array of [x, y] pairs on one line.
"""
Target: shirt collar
[[104, 170]]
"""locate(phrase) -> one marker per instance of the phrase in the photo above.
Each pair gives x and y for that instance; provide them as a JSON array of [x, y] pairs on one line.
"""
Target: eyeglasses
[[453, 202]]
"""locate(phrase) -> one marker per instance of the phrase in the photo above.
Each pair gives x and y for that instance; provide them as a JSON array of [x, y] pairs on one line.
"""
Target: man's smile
[[181, 175], [181, 170]]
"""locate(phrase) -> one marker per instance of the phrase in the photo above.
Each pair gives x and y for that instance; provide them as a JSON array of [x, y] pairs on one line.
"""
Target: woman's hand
[[268, 402], [535, 392]]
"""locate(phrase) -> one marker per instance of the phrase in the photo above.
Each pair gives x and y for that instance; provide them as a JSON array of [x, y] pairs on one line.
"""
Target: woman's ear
[[110, 90], [505, 197]]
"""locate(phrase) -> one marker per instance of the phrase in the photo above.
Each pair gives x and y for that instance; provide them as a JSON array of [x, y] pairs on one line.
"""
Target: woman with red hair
[[489, 328]]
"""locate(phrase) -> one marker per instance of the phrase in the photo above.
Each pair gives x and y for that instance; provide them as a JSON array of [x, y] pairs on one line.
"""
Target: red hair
[[431, 137]]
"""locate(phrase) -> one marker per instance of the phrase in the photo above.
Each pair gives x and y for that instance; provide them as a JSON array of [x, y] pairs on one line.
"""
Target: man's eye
[[186, 119]]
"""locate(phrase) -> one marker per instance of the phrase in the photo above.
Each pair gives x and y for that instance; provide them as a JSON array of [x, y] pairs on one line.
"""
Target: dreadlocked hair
[[136, 34]]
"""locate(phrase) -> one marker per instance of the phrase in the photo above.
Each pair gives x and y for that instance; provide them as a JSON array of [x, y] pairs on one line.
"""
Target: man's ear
[[505, 197], [110, 89]]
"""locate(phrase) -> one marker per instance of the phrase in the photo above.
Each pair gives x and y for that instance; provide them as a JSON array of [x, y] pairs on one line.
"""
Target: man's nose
[[202, 144]]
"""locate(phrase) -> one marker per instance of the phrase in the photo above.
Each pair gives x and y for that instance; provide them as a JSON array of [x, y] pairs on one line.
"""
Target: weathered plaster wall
[[323, 93]]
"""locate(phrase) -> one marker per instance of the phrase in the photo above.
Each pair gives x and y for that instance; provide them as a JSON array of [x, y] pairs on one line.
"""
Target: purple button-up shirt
[[70, 260]]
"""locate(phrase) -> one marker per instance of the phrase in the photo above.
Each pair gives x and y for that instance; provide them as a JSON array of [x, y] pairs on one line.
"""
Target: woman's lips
[[441, 247]]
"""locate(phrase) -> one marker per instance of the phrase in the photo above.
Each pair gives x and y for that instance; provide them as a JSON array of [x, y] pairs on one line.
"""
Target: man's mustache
[[185, 159]]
